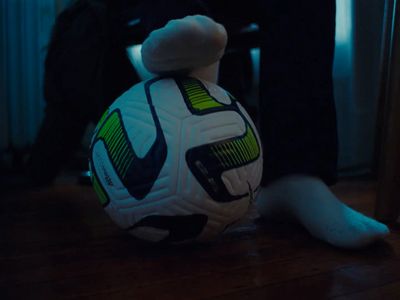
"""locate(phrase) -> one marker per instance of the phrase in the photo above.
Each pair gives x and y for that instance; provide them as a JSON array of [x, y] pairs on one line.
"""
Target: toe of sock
[[361, 235]]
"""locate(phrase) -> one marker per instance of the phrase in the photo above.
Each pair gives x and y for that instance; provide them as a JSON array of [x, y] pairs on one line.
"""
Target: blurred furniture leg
[[387, 207]]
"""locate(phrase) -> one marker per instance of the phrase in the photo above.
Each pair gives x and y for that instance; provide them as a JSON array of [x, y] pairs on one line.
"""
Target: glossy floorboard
[[57, 243]]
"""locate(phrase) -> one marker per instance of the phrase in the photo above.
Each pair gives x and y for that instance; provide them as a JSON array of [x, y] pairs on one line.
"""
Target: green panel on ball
[[114, 136], [196, 96], [237, 152], [98, 188]]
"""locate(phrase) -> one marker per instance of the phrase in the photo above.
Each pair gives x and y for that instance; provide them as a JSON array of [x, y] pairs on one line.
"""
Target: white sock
[[191, 45], [309, 201]]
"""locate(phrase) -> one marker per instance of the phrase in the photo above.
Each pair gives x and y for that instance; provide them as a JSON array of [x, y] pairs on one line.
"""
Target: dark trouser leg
[[58, 139], [297, 117]]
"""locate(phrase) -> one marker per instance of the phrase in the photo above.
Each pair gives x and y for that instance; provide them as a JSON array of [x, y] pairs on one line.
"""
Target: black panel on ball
[[180, 228]]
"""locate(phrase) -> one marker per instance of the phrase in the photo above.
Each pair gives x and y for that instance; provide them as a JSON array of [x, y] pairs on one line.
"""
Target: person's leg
[[298, 113], [196, 44], [192, 45], [58, 139], [298, 124]]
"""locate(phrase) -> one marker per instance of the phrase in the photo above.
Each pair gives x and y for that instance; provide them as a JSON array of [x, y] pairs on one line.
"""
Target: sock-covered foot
[[309, 201], [194, 43]]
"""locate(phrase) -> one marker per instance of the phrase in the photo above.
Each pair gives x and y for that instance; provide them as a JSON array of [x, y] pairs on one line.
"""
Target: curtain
[[357, 63], [24, 34]]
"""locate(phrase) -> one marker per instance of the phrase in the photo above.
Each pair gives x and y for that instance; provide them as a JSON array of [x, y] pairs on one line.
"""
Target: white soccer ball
[[176, 159]]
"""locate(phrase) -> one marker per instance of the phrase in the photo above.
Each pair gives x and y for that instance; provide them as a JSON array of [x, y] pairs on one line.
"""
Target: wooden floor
[[58, 243]]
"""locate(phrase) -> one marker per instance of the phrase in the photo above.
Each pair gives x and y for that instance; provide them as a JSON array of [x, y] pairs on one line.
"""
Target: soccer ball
[[176, 159]]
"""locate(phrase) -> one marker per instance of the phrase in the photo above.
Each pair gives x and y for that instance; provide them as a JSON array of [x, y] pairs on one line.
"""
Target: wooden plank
[[344, 283], [386, 292], [58, 243]]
